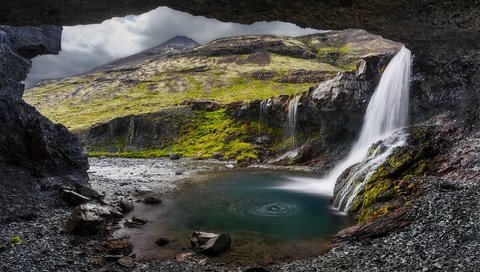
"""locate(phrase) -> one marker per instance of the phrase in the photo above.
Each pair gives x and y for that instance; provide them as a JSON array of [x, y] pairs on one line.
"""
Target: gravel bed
[[444, 236]]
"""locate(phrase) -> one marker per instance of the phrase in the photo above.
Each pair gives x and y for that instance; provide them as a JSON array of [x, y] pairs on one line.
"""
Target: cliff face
[[28, 139]]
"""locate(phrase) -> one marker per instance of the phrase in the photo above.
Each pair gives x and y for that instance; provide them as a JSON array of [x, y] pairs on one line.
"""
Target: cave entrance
[[149, 101]]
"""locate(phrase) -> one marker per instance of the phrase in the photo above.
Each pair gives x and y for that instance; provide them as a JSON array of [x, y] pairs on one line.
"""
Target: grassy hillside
[[227, 70]]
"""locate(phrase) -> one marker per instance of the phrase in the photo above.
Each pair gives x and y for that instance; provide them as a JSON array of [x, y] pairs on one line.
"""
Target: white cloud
[[87, 46]]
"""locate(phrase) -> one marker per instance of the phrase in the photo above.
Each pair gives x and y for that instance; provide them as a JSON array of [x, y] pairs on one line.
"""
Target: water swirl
[[266, 209]]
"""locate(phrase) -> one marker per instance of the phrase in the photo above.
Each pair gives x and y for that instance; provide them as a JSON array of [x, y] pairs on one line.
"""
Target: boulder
[[120, 246], [152, 200], [89, 219], [74, 198], [125, 205], [210, 244]]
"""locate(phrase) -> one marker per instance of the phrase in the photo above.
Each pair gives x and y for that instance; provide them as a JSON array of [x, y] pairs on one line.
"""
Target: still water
[[266, 224]]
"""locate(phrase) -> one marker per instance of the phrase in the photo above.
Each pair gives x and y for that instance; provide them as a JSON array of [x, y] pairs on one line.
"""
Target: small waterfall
[[292, 118], [263, 110], [387, 112]]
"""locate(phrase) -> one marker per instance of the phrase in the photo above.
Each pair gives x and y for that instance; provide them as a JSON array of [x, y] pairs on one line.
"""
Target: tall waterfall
[[291, 125], [387, 112]]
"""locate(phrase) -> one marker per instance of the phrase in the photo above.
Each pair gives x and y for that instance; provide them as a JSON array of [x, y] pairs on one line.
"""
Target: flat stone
[[126, 262], [74, 198], [144, 190], [139, 220]]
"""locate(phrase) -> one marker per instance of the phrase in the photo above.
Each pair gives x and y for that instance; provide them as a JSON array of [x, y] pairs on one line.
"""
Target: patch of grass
[[212, 132], [16, 240]]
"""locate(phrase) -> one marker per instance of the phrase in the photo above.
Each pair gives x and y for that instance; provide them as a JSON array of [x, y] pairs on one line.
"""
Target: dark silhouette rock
[[152, 200], [162, 241]]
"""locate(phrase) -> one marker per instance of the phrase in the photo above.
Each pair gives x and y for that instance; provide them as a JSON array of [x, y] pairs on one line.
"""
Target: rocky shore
[[442, 236]]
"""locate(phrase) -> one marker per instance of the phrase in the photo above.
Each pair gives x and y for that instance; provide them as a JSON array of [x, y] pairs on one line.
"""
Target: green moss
[[16, 240], [211, 132]]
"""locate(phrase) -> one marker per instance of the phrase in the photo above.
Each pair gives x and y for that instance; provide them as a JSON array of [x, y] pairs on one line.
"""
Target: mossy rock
[[390, 183]]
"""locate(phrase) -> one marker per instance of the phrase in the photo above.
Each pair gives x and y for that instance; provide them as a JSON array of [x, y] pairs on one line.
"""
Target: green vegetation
[[212, 132], [78, 103], [389, 187], [16, 240]]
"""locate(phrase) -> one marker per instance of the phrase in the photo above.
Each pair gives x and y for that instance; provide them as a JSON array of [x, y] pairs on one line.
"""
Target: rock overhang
[[411, 22]]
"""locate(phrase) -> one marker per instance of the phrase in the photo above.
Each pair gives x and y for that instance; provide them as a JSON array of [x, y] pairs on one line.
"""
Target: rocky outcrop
[[330, 116], [28, 139], [17, 46], [155, 130], [32, 141]]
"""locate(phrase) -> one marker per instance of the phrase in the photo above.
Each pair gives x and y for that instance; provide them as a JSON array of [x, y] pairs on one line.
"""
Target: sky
[[87, 46]]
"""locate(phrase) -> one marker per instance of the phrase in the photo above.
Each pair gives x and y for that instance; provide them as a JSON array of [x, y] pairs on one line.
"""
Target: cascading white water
[[387, 112], [291, 125], [262, 110]]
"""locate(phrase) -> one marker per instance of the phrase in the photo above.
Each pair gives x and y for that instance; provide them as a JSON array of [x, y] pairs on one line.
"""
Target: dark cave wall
[[443, 36]]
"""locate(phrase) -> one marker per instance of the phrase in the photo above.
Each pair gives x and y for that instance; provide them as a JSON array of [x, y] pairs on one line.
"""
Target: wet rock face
[[446, 79]]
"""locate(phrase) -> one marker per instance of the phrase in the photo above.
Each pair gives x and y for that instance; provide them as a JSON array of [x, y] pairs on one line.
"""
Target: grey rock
[[125, 205], [210, 244], [139, 220], [144, 190], [126, 261], [90, 219]]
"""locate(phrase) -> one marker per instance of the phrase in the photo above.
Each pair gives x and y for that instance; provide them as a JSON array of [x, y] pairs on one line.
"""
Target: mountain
[[199, 100], [175, 45]]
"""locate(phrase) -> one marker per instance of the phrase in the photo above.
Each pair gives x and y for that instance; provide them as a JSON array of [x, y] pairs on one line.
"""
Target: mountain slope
[[226, 70]]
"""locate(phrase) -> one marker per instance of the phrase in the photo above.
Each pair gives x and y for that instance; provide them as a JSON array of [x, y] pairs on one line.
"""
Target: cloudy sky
[[87, 46]]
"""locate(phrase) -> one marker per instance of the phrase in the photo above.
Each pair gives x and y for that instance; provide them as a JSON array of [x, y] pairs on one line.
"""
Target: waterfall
[[262, 111], [387, 112], [291, 125]]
